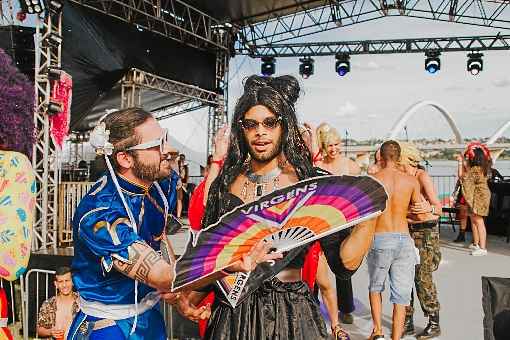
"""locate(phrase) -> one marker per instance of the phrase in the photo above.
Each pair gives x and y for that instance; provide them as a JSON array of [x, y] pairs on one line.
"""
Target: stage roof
[[244, 12]]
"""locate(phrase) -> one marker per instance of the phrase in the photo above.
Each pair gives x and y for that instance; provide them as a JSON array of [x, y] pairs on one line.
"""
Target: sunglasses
[[268, 123], [161, 142]]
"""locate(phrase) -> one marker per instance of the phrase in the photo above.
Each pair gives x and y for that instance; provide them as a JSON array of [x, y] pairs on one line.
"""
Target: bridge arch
[[499, 133], [401, 122]]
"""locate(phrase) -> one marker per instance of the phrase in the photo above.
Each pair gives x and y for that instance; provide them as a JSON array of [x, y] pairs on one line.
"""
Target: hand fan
[[289, 217]]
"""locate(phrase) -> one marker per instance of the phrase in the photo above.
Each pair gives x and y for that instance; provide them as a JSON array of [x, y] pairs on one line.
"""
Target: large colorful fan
[[289, 217]]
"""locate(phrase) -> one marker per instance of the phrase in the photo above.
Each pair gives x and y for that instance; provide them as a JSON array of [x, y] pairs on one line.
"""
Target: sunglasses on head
[[161, 142], [268, 123]]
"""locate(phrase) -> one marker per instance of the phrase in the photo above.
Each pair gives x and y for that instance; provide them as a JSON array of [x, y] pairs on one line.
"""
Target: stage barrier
[[69, 196]]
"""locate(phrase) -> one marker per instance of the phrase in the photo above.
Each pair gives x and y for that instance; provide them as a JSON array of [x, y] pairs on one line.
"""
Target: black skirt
[[275, 311]]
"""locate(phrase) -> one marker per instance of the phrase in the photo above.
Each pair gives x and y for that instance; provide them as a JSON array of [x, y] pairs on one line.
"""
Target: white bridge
[[496, 148]]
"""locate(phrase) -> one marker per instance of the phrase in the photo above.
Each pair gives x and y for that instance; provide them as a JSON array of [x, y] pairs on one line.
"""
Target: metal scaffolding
[[173, 19], [340, 13], [389, 46], [179, 109], [135, 81], [218, 115], [45, 157]]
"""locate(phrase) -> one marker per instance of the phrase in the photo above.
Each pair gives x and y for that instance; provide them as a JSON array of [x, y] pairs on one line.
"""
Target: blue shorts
[[392, 255]]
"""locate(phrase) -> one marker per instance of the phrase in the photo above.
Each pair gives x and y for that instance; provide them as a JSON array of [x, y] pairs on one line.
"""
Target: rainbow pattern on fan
[[290, 217]]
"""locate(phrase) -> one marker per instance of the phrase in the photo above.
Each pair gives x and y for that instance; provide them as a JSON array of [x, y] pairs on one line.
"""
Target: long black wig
[[279, 95]]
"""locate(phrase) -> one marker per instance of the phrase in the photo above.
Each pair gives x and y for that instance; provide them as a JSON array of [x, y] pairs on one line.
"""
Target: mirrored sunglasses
[[268, 123]]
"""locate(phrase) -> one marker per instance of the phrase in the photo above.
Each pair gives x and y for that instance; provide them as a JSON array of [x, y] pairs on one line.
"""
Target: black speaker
[[18, 42]]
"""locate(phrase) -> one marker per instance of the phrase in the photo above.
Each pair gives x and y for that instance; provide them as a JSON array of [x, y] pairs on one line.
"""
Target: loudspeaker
[[18, 42]]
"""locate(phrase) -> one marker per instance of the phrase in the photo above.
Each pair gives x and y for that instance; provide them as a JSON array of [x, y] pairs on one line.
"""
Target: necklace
[[260, 182]]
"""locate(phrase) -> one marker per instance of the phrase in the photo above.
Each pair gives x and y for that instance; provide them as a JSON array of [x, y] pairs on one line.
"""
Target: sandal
[[339, 333]]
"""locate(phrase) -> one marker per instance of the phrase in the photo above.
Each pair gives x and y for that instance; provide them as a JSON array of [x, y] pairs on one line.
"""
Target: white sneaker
[[473, 246], [479, 252]]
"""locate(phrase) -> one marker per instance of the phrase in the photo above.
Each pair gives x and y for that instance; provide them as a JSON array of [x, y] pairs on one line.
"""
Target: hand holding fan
[[289, 217]]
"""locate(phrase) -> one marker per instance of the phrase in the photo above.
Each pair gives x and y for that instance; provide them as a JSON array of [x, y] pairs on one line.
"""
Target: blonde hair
[[326, 133], [409, 154]]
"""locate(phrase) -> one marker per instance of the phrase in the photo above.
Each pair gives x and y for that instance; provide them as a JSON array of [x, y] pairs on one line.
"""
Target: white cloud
[[504, 82], [347, 109]]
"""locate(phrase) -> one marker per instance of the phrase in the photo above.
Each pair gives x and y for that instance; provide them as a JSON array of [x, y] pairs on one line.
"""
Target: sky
[[380, 88]]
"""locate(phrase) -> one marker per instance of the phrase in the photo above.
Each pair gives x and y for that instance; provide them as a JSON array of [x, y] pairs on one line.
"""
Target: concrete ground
[[459, 284], [460, 291]]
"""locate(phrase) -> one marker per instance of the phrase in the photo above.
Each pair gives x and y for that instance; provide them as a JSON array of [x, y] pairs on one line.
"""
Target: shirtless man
[[57, 313], [393, 254]]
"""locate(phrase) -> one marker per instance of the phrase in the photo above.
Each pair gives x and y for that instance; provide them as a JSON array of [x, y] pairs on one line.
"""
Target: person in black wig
[[266, 152]]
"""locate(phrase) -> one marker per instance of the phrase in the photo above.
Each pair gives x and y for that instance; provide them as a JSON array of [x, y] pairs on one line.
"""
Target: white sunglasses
[[161, 142]]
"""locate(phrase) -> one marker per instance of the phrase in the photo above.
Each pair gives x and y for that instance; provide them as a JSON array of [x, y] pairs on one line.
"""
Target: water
[[446, 168]]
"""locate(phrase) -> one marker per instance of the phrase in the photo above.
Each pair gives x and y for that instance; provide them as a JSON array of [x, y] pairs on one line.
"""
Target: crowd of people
[[124, 263]]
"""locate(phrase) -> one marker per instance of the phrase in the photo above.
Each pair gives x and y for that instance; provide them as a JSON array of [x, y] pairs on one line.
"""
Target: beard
[[268, 155], [148, 172]]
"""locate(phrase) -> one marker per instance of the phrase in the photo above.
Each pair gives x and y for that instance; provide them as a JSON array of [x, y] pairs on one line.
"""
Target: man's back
[[402, 190]]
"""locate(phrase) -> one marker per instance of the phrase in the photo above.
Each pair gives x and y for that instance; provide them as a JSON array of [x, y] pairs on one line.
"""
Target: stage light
[[54, 73], [267, 67], [475, 63], [432, 62], [342, 65], [306, 67], [55, 6], [54, 108], [53, 39], [31, 6]]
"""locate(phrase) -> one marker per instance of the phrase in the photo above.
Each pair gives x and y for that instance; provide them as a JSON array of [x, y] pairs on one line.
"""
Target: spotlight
[[31, 6], [54, 108], [306, 67], [53, 40], [55, 6], [267, 68], [342, 65], [54, 73], [432, 62], [475, 63]]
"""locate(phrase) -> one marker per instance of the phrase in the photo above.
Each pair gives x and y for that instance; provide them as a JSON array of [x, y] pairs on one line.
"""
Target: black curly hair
[[279, 95]]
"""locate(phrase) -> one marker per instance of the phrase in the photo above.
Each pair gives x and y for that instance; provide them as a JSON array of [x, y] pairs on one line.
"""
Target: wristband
[[218, 162], [433, 210]]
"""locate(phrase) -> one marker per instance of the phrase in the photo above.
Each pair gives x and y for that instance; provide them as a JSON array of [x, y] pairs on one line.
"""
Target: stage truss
[[388, 46], [190, 97], [173, 19], [332, 14], [45, 156]]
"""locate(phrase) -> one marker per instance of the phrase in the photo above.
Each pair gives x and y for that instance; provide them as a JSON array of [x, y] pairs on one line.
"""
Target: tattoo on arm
[[142, 258]]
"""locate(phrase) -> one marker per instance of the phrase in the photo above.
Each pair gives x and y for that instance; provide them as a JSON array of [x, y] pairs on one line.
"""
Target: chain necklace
[[260, 182]]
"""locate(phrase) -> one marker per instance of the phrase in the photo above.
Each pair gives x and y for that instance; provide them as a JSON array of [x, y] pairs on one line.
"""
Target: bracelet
[[433, 210], [219, 162]]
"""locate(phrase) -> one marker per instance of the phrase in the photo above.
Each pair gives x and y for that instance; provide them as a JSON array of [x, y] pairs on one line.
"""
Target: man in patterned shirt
[[57, 313]]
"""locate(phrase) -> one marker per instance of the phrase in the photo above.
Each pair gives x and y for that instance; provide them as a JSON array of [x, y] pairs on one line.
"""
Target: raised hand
[[221, 143]]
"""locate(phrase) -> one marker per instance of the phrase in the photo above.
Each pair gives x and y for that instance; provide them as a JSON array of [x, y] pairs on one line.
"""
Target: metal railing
[[444, 186], [27, 306], [69, 196]]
